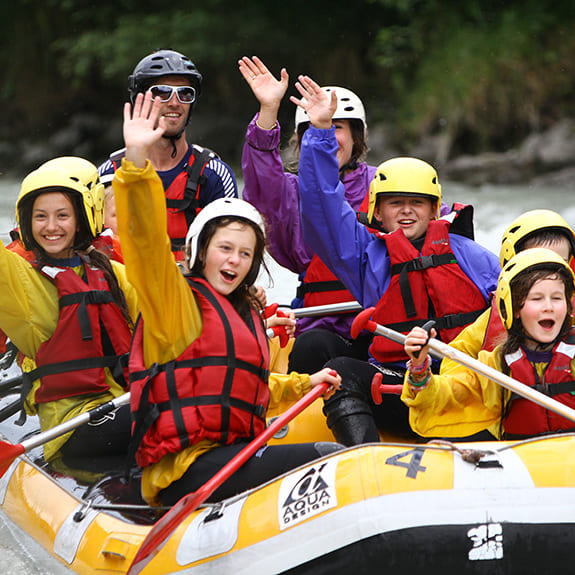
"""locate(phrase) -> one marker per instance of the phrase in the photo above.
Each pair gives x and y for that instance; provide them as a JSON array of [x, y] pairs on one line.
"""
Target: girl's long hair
[[243, 297], [516, 335]]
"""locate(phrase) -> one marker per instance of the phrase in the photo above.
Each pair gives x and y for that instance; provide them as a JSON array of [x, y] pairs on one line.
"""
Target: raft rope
[[473, 456]]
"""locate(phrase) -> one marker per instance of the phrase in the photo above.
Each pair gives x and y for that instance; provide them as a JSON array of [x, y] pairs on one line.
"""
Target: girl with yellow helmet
[[70, 309], [533, 297], [534, 228]]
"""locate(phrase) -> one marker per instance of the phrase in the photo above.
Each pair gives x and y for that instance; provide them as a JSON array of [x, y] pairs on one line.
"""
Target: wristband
[[418, 385], [417, 370]]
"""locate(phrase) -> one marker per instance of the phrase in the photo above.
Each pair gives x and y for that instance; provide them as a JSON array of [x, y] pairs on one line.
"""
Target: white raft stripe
[[353, 523], [512, 474]]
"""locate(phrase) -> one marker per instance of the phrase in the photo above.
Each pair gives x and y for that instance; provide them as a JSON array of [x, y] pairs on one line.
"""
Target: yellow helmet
[[51, 179], [529, 224], [537, 258], [87, 174], [404, 177]]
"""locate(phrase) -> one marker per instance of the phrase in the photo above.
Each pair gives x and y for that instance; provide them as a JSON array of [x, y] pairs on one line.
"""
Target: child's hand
[[416, 345], [326, 375]]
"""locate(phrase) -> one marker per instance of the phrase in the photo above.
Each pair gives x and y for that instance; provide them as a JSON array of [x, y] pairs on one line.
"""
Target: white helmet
[[217, 209], [349, 107]]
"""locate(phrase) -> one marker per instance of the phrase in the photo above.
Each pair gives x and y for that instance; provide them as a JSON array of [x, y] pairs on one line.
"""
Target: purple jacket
[[275, 193]]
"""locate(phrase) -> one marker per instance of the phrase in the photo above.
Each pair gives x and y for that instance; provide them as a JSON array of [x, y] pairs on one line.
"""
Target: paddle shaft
[[165, 526], [328, 309], [10, 451], [445, 350], [9, 385], [74, 423]]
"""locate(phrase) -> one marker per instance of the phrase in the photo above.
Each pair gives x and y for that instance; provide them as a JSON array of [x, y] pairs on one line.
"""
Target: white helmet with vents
[[219, 208], [349, 107]]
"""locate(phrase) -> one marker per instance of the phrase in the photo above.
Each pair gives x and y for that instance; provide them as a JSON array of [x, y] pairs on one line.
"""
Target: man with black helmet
[[192, 176]]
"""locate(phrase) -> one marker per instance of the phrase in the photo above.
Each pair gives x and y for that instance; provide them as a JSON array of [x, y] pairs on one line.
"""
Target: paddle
[[363, 321], [9, 452], [328, 309], [165, 526], [8, 386]]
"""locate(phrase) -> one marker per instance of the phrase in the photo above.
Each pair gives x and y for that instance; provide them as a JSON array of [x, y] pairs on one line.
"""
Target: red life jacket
[[425, 286], [217, 389], [91, 334], [183, 196], [104, 242], [320, 286], [495, 334], [524, 417]]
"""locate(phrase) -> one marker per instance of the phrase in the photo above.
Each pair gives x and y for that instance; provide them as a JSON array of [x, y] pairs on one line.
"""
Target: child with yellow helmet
[[534, 228], [420, 267], [70, 309], [533, 297]]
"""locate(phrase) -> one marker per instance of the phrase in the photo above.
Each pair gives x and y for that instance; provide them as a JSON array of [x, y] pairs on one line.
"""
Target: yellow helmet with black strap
[[530, 224], [404, 177], [52, 179], [531, 259], [87, 174]]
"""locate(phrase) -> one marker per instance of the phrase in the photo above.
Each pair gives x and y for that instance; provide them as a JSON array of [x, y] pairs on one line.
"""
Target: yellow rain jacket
[[461, 402], [28, 316], [172, 317]]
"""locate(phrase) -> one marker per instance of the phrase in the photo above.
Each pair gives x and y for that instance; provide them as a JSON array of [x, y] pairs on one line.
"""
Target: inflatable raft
[[380, 508]]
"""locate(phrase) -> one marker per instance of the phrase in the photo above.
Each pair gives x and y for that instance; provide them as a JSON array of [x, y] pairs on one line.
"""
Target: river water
[[495, 208]]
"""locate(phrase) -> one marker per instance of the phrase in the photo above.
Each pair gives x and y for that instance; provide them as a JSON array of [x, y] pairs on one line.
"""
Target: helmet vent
[[382, 176]]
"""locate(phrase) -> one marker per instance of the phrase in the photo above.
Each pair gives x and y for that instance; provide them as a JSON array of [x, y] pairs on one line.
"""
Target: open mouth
[[547, 324], [228, 276]]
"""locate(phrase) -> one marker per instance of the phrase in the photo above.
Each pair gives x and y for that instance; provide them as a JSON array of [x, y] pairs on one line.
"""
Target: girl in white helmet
[[275, 193], [199, 361]]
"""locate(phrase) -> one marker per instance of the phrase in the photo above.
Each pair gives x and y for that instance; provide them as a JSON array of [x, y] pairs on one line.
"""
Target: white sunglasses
[[185, 94]]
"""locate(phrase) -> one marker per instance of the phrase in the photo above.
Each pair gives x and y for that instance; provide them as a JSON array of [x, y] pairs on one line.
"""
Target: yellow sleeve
[[172, 318], [127, 288], [28, 303], [455, 405], [469, 341], [287, 387]]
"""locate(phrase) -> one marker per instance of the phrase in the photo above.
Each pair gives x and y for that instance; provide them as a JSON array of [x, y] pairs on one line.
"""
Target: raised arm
[[272, 190], [329, 223], [268, 90], [171, 318], [143, 127]]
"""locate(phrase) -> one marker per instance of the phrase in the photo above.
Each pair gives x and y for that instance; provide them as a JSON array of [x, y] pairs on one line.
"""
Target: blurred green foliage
[[482, 72]]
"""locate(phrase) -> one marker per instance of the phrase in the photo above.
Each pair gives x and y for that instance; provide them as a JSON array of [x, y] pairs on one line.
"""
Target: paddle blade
[[166, 525], [362, 321], [8, 453], [163, 528]]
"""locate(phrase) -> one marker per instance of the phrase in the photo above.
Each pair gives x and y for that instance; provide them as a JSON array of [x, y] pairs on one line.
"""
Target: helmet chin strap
[[540, 346], [173, 140]]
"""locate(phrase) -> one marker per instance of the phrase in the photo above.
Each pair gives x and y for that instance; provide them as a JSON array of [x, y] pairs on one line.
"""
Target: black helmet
[[162, 63]]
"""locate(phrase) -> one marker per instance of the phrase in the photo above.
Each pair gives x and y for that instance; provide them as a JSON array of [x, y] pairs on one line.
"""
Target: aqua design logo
[[487, 542], [307, 493]]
